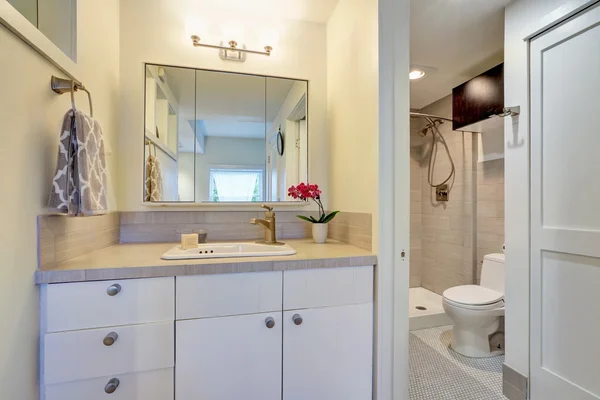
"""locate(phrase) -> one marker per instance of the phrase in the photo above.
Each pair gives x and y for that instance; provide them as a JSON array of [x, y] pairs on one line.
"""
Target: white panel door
[[329, 355], [565, 217], [229, 358]]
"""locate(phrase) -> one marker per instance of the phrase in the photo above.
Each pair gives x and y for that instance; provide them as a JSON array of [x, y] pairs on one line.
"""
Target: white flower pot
[[319, 232]]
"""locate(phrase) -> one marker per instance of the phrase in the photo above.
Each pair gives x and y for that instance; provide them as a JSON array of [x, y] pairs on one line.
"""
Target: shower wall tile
[[493, 225], [416, 242], [453, 236], [415, 195], [490, 241], [448, 228], [449, 237], [490, 192], [490, 209]]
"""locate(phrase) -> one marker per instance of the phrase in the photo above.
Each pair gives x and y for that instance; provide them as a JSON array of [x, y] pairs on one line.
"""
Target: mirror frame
[[230, 206], [26, 31]]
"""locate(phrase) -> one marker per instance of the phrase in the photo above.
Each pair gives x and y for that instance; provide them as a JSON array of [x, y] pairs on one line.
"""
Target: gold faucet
[[269, 224]]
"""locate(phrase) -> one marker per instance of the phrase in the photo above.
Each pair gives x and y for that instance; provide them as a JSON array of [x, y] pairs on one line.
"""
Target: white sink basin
[[226, 250]]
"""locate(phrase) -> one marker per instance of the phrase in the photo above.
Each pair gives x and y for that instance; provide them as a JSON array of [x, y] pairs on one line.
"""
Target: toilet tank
[[492, 272]]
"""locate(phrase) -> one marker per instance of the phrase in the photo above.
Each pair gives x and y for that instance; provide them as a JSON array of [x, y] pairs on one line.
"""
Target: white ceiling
[[461, 38]]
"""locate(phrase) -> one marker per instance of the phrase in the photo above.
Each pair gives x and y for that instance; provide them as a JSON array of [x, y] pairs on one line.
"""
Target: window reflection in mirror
[[56, 19], [230, 113], [223, 137]]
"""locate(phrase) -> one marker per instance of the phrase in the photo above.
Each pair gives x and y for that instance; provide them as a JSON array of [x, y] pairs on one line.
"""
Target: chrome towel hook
[[62, 86]]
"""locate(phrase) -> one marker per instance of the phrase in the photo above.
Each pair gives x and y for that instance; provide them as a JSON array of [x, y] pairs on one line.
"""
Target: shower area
[[442, 213]]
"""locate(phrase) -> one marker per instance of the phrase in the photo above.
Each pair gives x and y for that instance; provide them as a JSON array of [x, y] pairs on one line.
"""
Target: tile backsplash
[[167, 226], [353, 228], [61, 238]]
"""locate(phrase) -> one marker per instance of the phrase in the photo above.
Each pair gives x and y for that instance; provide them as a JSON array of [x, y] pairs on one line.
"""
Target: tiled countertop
[[124, 261]]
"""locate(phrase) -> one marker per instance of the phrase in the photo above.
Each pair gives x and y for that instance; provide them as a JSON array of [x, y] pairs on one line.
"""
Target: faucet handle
[[266, 207]]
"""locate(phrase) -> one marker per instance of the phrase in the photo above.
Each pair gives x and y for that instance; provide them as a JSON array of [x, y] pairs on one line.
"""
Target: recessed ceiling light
[[416, 74], [419, 72]]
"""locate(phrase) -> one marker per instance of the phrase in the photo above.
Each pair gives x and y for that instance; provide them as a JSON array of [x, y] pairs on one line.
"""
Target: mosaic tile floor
[[439, 373]]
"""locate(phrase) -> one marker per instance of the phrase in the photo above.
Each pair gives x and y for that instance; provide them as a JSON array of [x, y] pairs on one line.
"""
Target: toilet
[[476, 310]]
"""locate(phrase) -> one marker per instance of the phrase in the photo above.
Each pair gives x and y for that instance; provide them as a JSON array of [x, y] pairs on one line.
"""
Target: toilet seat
[[486, 307], [474, 297]]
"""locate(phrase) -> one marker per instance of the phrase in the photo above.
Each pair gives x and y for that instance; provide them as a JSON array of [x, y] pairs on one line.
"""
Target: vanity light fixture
[[233, 52]]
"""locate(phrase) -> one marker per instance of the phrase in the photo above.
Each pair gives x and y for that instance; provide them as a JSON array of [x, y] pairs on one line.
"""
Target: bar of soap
[[189, 241]]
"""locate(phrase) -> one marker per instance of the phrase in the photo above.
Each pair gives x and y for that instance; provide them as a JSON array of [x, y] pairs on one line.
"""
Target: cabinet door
[[329, 355], [229, 358]]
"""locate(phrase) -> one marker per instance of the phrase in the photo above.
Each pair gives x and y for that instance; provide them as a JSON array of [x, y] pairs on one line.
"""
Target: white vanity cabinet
[[328, 334], [106, 338], [276, 335], [235, 357], [229, 345], [329, 355]]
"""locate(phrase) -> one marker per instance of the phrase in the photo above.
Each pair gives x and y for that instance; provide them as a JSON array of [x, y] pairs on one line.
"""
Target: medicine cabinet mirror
[[213, 136]]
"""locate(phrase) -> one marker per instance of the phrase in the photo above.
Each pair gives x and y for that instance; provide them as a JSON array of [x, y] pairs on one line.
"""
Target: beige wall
[[30, 119], [155, 31], [353, 112]]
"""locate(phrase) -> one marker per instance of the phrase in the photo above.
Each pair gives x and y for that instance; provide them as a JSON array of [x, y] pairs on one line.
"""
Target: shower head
[[432, 124]]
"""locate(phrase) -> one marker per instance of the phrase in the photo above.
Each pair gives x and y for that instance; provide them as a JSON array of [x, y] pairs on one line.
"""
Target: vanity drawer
[[71, 306], [72, 356], [204, 296], [327, 287], [149, 385]]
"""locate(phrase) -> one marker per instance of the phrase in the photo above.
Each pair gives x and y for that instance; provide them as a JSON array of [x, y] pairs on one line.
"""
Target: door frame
[[392, 216]]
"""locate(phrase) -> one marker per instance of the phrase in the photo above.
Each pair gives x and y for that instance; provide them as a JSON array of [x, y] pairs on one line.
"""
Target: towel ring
[[61, 86], [150, 144]]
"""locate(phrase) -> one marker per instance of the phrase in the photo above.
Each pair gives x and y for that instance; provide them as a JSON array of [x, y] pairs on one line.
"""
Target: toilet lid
[[473, 295]]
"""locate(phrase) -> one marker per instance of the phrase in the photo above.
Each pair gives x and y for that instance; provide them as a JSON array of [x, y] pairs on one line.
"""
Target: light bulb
[[416, 74]]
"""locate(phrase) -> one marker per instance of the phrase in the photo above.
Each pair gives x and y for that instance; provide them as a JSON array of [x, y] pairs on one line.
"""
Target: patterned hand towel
[[79, 186], [153, 179]]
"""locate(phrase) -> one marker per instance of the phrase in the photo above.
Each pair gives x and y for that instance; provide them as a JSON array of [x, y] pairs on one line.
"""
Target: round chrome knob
[[297, 319], [113, 290], [111, 386], [270, 322], [110, 339]]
